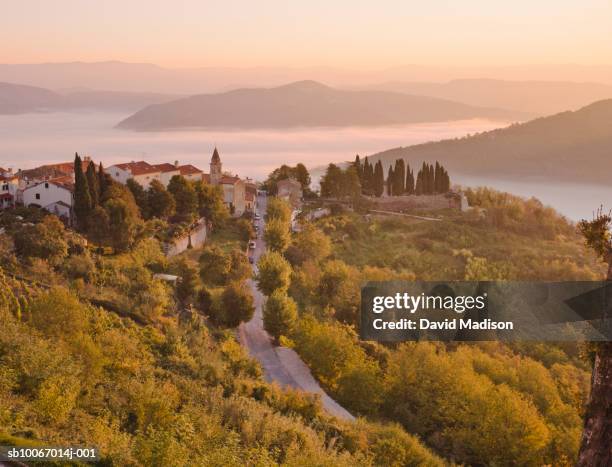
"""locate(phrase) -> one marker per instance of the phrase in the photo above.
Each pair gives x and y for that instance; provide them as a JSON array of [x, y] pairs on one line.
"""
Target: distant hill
[[536, 97], [570, 146], [146, 77], [18, 98], [303, 103]]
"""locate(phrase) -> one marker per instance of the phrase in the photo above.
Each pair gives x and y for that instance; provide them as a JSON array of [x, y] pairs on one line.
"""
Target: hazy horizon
[[480, 37]]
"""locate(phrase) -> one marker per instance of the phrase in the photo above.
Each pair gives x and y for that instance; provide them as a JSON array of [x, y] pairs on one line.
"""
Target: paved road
[[280, 364]]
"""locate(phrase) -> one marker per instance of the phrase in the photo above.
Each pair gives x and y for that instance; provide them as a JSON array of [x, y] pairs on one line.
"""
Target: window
[[5, 187], [37, 195], [46, 185], [116, 174]]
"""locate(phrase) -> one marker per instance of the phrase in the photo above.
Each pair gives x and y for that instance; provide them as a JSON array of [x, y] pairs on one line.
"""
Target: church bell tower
[[215, 168]]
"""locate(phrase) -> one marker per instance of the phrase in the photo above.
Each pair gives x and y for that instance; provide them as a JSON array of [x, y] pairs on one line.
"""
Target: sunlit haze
[[359, 35]]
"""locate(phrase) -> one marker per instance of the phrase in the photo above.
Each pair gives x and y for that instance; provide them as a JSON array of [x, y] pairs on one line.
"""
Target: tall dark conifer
[[409, 186], [399, 173], [359, 168], [102, 181], [390, 182], [82, 199], [418, 189], [368, 178], [379, 179], [93, 184]]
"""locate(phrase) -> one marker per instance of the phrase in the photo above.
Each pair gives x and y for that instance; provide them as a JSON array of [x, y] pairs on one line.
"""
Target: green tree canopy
[[160, 202], [215, 265], [278, 209], [237, 304], [309, 244], [273, 273], [280, 314], [185, 197], [45, 240], [277, 235], [210, 203]]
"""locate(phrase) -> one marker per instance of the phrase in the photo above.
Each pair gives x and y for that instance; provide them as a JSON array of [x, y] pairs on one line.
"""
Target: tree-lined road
[[281, 364]]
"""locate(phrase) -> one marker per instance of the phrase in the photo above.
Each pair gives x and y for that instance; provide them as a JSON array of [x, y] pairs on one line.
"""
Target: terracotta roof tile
[[138, 168], [166, 167], [189, 169]]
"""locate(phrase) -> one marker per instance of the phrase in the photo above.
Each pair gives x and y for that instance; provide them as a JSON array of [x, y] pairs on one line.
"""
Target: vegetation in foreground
[[478, 404], [95, 350]]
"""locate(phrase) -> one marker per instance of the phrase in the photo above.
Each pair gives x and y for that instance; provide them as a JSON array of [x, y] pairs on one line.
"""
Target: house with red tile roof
[[167, 171], [141, 171], [190, 172]]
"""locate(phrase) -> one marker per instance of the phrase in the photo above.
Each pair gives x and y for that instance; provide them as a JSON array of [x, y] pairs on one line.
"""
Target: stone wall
[[195, 238]]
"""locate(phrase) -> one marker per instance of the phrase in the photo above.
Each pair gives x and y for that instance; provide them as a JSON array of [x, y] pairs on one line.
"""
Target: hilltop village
[[51, 187]]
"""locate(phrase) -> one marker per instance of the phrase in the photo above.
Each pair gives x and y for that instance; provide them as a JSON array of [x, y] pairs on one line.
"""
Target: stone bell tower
[[215, 168]]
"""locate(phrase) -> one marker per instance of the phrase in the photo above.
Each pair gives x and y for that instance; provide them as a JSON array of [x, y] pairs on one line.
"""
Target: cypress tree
[[368, 177], [418, 190], [92, 184], [399, 172], [102, 181], [359, 168], [379, 179], [82, 199], [424, 176], [430, 180], [409, 187], [390, 181]]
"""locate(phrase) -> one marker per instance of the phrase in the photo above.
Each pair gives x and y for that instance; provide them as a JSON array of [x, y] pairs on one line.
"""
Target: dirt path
[[281, 364]]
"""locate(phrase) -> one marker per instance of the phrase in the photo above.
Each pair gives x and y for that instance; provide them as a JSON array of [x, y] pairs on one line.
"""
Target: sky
[[353, 34]]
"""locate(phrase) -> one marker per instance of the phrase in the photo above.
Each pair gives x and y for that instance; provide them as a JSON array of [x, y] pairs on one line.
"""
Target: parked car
[[252, 244], [251, 260]]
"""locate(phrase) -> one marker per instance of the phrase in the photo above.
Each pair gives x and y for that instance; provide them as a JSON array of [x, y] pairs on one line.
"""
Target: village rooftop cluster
[[51, 187]]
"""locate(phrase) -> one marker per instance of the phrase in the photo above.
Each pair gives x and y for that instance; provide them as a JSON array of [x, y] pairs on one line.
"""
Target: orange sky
[[352, 34]]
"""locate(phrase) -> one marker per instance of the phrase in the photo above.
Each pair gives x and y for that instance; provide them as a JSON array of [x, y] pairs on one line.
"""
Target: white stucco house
[[144, 173], [167, 171], [54, 196], [141, 171]]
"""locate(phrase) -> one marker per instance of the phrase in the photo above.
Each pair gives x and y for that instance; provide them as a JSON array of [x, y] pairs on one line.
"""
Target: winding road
[[281, 364]]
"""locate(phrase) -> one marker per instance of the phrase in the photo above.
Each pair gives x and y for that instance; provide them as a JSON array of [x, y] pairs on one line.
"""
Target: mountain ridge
[[305, 103], [572, 146], [19, 98]]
